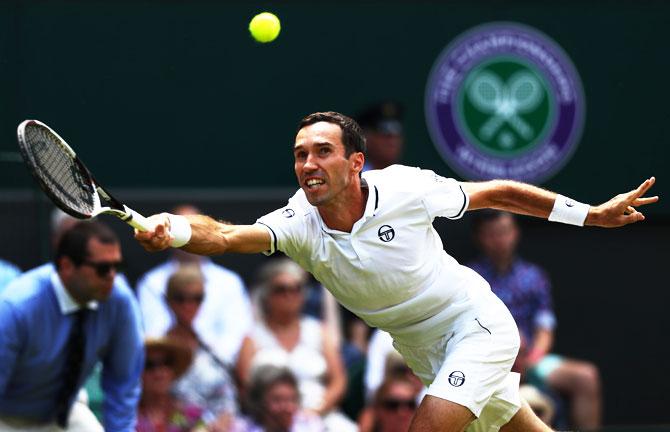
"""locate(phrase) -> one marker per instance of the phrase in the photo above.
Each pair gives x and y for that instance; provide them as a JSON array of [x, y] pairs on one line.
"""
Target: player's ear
[[65, 265], [358, 161]]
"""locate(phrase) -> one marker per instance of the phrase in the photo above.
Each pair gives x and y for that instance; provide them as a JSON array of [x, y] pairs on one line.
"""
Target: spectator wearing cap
[[383, 130], [209, 381], [159, 410]]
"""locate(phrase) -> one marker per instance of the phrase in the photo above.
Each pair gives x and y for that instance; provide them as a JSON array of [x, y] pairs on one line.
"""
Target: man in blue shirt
[[57, 322], [526, 291], [8, 272]]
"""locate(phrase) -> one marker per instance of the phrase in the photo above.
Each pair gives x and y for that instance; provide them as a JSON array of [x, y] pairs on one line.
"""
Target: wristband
[[569, 211], [180, 229]]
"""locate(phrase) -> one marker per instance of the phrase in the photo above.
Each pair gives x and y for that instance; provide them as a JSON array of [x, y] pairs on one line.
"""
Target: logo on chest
[[386, 233]]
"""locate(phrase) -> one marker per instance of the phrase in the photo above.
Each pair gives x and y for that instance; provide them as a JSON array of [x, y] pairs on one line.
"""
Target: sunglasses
[[152, 364], [286, 289], [184, 298], [396, 404], [103, 268]]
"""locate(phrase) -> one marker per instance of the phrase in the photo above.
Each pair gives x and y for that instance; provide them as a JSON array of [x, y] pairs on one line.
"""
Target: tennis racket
[[66, 180]]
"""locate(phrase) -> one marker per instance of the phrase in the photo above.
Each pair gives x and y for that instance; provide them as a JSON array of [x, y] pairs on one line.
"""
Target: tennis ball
[[265, 27]]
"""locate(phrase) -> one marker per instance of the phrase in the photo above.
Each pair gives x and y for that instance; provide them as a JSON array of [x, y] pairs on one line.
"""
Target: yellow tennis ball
[[265, 27]]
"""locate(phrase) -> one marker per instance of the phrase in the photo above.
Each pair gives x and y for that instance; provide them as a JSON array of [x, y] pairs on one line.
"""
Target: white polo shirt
[[391, 270]]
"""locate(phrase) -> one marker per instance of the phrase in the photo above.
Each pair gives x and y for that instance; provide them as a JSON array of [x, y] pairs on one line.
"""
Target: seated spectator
[[525, 289], [159, 410], [273, 404], [223, 318], [285, 337], [393, 405], [208, 383], [8, 272]]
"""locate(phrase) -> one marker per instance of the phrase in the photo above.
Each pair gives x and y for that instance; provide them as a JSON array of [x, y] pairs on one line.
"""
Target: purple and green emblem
[[504, 101]]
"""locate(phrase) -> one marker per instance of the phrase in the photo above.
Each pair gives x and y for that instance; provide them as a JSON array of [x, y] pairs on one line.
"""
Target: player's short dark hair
[[352, 135], [482, 217], [74, 242]]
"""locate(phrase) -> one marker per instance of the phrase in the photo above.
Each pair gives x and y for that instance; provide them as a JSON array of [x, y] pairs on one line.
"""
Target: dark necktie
[[74, 360]]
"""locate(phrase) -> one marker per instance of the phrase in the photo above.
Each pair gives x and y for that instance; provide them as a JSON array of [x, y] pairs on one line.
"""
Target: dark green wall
[[176, 93]]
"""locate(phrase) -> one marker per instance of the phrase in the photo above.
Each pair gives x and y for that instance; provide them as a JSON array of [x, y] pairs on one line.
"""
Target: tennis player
[[369, 239]]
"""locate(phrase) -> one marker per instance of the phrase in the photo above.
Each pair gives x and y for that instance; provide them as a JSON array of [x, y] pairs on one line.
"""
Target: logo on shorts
[[456, 378], [504, 101], [288, 213], [386, 233]]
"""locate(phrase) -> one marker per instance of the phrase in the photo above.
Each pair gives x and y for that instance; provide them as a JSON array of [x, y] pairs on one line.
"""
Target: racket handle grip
[[136, 220], [180, 228]]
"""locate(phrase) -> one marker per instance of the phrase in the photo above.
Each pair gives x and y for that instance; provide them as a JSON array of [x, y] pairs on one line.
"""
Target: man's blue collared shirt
[[36, 316]]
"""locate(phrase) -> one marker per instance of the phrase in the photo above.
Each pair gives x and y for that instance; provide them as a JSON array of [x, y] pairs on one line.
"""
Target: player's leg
[[525, 420], [580, 380], [435, 414]]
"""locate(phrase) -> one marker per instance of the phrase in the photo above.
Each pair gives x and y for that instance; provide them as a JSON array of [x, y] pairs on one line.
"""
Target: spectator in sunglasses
[[394, 404], [159, 410], [285, 337], [209, 381], [60, 320]]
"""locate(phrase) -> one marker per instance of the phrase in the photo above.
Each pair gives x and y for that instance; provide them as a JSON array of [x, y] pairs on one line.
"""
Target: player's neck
[[341, 214]]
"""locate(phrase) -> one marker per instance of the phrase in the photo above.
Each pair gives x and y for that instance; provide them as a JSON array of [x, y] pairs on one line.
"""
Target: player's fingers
[[632, 218], [644, 201], [644, 187]]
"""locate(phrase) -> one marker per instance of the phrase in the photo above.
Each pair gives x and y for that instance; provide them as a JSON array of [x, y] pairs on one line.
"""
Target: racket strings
[[59, 172]]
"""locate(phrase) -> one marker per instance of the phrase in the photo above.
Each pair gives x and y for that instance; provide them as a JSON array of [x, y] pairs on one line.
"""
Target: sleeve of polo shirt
[[285, 229], [442, 196]]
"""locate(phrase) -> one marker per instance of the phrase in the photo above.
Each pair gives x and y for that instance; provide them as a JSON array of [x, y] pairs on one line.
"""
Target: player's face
[[94, 279], [321, 167]]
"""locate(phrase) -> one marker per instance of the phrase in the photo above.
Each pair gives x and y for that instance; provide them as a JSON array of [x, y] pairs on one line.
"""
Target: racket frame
[[115, 207]]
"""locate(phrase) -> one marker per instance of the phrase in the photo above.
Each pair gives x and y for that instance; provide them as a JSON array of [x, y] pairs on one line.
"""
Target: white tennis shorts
[[471, 365]]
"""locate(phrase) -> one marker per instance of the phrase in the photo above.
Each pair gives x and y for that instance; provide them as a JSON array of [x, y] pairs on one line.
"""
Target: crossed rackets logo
[[504, 102]]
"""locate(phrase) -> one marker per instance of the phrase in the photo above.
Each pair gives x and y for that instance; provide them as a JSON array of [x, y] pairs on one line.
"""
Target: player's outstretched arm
[[206, 235], [531, 200]]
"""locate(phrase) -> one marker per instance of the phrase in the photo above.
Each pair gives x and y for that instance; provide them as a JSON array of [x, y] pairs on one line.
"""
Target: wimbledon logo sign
[[504, 101]]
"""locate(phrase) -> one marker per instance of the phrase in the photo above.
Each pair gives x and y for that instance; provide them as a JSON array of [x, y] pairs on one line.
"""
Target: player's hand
[[159, 238], [621, 210]]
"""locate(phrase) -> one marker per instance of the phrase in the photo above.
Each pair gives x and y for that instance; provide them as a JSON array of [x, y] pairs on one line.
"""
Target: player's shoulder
[[296, 210], [392, 173], [403, 177]]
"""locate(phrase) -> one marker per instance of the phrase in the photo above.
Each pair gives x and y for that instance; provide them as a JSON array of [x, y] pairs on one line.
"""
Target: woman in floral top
[[159, 411]]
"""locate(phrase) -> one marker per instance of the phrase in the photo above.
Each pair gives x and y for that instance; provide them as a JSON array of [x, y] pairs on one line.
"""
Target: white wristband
[[569, 211], [180, 229]]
